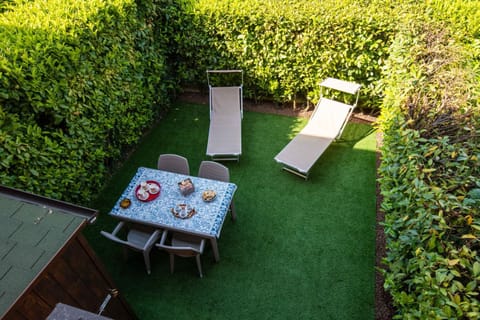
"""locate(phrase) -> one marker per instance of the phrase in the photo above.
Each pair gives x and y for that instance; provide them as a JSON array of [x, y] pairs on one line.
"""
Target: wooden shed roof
[[33, 229]]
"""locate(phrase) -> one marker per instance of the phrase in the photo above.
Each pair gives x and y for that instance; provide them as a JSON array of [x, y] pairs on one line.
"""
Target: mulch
[[384, 309]]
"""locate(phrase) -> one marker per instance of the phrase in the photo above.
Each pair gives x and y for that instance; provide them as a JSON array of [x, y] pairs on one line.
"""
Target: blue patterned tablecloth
[[209, 216]]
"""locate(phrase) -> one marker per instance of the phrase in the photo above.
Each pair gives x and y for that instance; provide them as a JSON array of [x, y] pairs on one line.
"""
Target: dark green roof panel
[[32, 231]]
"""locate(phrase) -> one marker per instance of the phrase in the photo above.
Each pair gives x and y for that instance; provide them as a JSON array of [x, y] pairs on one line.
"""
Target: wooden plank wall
[[75, 277]]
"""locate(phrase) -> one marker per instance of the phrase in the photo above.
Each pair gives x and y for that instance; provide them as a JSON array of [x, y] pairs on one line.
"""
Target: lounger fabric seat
[[324, 126], [225, 131]]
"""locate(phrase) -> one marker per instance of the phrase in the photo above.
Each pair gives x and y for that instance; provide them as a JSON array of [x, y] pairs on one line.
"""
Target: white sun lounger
[[226, 113], [324, 126]]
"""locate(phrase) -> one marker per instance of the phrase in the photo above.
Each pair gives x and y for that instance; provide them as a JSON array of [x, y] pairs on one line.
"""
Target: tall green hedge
[[430, 174], [79, 82], [462, 15], [286, 48]]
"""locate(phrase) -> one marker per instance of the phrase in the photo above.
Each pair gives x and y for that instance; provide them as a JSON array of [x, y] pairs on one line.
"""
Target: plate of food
[[208, 195], [147, 190], [183, 211]]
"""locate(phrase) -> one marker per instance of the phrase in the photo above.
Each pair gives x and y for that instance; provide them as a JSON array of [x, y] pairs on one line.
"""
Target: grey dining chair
[[136, 239], [173, 163], [182, 245], [216, 171]]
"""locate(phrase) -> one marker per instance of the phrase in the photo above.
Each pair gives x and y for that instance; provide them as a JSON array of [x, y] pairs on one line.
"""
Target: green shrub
[[79, 82], [430, 176], [462, 15], [286, 49]]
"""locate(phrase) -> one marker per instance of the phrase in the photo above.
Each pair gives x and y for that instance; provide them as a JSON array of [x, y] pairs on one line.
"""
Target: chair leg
[[232, 209], [172, 262], [146, 257], [199, 265]]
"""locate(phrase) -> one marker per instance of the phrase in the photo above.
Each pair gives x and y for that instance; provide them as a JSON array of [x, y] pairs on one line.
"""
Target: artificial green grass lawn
[[298, 250]]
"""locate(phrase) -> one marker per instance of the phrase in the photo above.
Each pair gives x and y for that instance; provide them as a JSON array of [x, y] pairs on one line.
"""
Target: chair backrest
[[173, 163], [214, 170], [114, 238], [329, 118], [135, 239], [336, 117], [226, 100], [226, 103]]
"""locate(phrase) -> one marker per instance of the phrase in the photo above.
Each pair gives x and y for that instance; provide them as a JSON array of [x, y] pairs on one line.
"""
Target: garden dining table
[[209, 216]]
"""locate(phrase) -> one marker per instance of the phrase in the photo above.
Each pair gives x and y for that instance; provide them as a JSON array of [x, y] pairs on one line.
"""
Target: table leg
[[216, 254]]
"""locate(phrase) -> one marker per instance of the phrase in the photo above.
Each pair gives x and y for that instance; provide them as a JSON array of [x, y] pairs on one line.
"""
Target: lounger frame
[[303, 151]]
